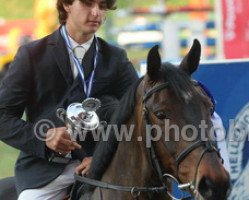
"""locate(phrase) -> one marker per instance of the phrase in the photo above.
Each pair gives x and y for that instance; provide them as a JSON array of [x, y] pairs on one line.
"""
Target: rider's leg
[[56, 190]]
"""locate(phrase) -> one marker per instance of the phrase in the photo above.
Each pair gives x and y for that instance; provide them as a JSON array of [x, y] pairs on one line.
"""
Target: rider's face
[[86, 16]]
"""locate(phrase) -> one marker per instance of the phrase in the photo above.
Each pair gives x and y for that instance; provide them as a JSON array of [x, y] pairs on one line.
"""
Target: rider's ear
[[191, 61], [153, 63]]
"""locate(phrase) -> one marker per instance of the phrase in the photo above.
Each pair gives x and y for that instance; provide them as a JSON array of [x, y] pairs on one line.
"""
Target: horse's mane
[[126, 105], [178, 81], [105, 149]]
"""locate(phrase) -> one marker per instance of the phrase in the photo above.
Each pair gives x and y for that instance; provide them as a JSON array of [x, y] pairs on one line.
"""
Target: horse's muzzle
[[211, 191]]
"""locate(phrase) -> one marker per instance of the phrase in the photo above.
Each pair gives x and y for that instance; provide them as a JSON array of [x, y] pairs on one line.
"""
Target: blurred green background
[[16, 9], [8, 158]]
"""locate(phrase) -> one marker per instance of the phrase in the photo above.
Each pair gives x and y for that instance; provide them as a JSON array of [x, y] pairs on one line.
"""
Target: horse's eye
[[160, 115]]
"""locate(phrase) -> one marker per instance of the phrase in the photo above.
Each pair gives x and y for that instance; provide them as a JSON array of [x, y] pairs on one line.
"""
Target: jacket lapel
[[61, 56], [88, 60]]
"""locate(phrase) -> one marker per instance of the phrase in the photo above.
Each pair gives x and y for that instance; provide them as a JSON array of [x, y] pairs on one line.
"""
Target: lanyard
[[80, 68]]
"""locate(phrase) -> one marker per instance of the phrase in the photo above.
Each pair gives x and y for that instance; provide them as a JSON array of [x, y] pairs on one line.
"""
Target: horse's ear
[[153, 63], [191, 61]]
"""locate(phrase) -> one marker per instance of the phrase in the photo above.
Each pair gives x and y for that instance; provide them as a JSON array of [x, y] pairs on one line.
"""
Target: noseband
[[208, 146]]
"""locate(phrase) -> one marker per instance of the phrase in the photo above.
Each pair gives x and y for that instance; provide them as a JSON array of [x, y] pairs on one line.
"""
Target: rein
[[136, 191]]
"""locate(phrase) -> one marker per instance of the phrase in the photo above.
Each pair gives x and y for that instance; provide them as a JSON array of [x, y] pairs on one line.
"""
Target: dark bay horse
[[169, 115]]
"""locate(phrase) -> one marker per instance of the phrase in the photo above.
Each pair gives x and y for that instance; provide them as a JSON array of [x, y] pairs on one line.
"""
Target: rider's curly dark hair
[[111, 5]]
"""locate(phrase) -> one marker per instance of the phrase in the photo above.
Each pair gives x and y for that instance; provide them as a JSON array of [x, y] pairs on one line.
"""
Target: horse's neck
[[130, 165]]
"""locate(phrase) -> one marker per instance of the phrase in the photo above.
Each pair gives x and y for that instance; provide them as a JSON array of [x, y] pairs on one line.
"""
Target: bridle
[[136, 191], [208, 145]]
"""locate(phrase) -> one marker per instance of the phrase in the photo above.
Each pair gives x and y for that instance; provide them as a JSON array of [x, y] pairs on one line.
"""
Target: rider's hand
[[59, 140], [84, 167]]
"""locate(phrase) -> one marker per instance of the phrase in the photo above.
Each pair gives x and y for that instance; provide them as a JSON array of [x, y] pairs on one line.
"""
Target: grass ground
[[8, 157]]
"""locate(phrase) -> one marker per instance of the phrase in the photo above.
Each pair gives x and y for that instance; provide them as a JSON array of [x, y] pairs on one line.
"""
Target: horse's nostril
[[206, 188], [211, 191]]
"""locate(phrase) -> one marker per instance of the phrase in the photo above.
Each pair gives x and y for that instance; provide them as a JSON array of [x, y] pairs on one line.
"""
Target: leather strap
[[105, 185]]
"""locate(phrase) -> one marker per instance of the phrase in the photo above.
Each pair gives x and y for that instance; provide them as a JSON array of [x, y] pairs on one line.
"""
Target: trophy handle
[[61, 114]]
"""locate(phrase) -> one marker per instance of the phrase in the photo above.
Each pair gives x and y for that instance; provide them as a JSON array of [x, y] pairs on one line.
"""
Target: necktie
[[79, 52]]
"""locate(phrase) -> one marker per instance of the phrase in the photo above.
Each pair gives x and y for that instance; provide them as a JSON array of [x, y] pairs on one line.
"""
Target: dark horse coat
[[156, 144]]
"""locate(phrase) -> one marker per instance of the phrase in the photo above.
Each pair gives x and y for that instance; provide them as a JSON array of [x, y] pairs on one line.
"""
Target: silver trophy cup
[[78, 117]]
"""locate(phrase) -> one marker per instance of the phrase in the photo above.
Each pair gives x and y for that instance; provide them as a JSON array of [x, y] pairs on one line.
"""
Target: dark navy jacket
[[39, 81]]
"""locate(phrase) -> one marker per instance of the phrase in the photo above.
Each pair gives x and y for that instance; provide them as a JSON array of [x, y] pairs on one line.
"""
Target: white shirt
[[74, 44]]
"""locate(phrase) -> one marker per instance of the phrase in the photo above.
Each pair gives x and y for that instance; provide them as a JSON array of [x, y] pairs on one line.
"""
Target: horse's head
[[182, 111]]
